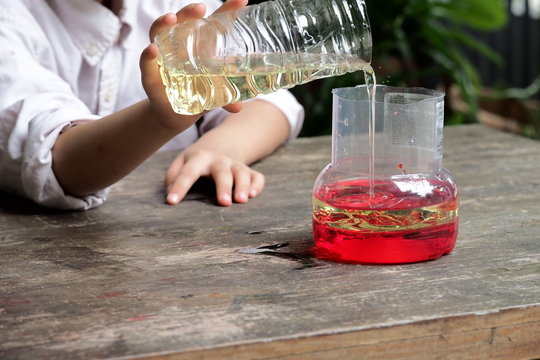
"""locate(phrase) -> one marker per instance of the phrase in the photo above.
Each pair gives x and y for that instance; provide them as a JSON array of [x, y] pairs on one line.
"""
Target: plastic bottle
[[236, 55]]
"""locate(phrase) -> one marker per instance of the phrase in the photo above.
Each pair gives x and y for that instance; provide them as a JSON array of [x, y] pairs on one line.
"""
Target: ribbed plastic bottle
[[236, 55]]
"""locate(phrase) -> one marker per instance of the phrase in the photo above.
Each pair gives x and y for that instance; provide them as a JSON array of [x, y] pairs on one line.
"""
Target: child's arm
[[96, 154], [225, 152]]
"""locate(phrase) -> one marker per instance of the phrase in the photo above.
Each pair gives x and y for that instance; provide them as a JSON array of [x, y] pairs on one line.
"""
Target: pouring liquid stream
[[371, 82]]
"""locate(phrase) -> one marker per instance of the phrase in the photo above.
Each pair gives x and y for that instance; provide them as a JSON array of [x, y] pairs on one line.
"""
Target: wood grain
[[137, 278]]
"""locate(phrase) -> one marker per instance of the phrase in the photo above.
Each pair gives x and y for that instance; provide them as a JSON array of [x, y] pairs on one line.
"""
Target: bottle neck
[[399, 133]]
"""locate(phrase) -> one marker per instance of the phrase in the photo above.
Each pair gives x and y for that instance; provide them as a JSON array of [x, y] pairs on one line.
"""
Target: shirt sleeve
[[282, 99], [36, 105]]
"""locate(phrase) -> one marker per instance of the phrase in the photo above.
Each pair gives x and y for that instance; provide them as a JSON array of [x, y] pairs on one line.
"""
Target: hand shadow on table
[[204, 189]]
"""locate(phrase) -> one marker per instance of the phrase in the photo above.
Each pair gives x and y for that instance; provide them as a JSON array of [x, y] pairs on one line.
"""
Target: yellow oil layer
[[384, 220]]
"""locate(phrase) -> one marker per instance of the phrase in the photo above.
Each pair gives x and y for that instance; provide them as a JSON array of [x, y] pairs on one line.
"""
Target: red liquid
[[405, 221]]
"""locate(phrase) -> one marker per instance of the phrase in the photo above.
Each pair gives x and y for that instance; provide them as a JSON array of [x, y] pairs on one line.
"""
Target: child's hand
[[151, 78], [190, 165]]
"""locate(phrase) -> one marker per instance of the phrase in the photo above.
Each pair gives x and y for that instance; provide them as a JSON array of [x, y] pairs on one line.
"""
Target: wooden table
[[136, 278]]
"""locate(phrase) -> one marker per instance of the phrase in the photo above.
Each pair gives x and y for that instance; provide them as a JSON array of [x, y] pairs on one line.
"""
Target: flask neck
[[401, 132]]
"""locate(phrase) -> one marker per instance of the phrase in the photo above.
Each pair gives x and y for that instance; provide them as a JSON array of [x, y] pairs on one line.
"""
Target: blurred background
[[485, 54]]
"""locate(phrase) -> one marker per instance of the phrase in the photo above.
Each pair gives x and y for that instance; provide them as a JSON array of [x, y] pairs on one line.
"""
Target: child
[[82, 104]]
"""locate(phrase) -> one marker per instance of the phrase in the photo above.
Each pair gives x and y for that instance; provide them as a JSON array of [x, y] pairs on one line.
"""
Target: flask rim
[[356, 93]]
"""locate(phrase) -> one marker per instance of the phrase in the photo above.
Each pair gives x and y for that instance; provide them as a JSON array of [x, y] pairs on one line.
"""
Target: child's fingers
[[257, 184], [174, 170], [242, 180], [161, 23], [191, 11], [232, 5], [180, 186], [223, 178], [149, 67], [234, 107], [181, 176]]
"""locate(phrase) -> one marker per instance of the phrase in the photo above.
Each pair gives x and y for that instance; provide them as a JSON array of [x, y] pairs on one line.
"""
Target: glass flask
[[236, 55], [385, 197]]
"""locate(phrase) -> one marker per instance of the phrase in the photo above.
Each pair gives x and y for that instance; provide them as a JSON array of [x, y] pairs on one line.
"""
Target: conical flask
[[385, 197]]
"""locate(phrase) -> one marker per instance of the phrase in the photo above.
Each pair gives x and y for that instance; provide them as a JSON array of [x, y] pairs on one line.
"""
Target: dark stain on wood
[[306, 258]]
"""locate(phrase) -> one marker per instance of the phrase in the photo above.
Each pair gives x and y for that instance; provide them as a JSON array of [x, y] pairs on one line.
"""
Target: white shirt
[[67, 61]]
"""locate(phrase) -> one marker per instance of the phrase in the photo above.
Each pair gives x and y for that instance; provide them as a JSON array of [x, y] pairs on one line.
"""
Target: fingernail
[[195, 5], [252, 192], [242, 196], [162, 17], [226, 198], [172, 198]]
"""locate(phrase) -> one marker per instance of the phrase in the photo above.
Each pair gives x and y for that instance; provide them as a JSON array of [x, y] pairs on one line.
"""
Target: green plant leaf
[[472, 43], [441, 34], [480, 14]]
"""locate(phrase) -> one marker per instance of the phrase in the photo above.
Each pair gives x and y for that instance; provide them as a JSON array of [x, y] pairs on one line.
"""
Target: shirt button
[[91, 50], [107, 97]]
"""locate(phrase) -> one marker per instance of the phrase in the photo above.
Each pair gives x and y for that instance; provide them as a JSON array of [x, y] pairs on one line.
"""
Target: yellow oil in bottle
[[192, 94]]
